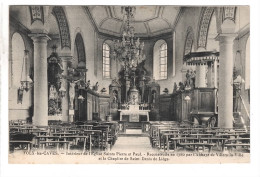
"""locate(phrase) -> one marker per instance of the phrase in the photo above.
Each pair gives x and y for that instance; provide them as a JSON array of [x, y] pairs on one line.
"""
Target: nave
[[155, 136]]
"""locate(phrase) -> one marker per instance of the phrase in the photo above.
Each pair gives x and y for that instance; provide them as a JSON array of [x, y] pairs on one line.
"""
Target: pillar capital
[[39, 37], [226, 37]]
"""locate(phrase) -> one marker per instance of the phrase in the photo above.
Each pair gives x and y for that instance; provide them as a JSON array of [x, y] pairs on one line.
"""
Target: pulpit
[[204, 106]]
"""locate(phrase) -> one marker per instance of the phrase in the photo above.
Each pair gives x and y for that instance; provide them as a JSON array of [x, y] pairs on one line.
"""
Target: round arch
[[16, 60], [79, 51], [204, 22], [60, 15]]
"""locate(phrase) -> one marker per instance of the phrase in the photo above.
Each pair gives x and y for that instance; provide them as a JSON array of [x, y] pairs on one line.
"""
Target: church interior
[[114, 78]]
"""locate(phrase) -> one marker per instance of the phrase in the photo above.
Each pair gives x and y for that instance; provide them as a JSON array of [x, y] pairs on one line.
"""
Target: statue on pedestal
[[115, 99], [175, 87], [95, 87], [53, 94], [192, 76], [188, 80], [153, 97], [181, 86], [72, 93], [88, 84], [134, 100]]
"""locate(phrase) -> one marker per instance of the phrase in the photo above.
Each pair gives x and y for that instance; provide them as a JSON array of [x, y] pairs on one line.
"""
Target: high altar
[[134, 108]]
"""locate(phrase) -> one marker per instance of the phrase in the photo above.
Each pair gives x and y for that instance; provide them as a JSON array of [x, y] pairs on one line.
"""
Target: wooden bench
[[66, 144], [232, 145], [197, 145], [235, 142], [14, 143], [20, 139]]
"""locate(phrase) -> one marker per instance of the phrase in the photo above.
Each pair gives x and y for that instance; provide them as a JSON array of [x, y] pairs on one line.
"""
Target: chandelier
[[129, 52]]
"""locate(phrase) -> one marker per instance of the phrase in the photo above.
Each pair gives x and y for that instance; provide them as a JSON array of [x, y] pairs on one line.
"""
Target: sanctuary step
[[134, 125]]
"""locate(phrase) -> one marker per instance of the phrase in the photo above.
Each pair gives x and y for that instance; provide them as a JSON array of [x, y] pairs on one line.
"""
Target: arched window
[[106, 61], [16, 65], [163, 61], [160, 60]]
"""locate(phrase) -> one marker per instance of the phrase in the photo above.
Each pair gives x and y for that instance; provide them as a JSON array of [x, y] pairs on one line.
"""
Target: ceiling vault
[[148, 21]]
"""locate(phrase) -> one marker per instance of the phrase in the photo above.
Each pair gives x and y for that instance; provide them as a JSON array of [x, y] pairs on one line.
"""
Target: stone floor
[[133, 131], [133, 143]]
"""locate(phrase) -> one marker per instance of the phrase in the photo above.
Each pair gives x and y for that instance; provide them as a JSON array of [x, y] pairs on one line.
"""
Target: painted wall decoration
[[229, 13], [63, 26], [36, 13], [204, 26]]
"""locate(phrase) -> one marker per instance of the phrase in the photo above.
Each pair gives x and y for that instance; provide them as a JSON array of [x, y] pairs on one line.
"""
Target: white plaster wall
[[88, 34], [184, 22]]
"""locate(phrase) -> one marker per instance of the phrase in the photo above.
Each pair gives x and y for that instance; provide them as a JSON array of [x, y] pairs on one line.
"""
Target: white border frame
[[157, 170]]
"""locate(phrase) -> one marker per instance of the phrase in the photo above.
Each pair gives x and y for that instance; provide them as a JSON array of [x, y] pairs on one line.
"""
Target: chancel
[[161, 78]]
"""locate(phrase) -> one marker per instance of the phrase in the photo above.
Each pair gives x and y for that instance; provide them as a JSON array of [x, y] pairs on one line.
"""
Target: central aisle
[[132, 143]]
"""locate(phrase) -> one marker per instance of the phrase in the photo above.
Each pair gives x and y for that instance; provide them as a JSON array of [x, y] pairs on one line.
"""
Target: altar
[[134, 113]]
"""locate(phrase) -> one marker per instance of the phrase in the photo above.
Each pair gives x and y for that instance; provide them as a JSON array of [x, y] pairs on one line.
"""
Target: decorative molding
[[147, 28], [204, 26], [108, 11], [36, 13], [63, 26], [88, 14], [118, 36], [111, 10], [243, 31], [188, 41], [19, 26], [229, 13], [176, 20]]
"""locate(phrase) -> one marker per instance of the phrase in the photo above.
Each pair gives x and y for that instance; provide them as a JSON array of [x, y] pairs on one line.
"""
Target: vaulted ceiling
[[148, 20]]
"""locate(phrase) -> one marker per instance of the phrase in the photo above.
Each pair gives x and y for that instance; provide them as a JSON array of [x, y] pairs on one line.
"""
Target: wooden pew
[[236, 142], [19, 140], [197, 145]]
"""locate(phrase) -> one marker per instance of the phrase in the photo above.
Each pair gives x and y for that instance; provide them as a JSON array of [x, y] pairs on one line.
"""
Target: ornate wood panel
[[164, 107]]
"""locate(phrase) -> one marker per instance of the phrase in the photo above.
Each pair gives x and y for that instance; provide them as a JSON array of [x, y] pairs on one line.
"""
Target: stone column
[[225, 96], [200, 76], [209, 75], [65, 99], [40, 115]]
